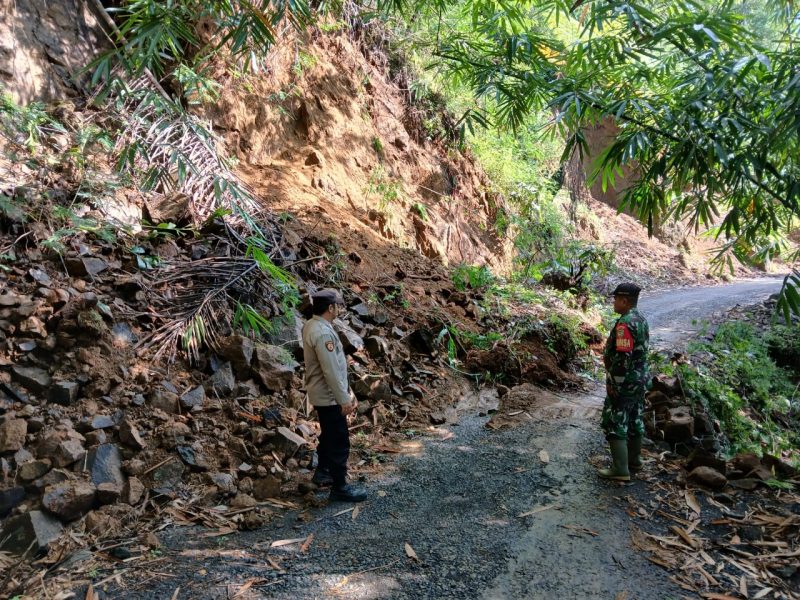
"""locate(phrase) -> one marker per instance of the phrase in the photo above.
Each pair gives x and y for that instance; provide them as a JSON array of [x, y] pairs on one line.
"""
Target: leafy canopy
[[705, 95]]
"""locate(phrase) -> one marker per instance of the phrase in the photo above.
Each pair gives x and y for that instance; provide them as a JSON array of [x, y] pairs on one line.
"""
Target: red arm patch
[[624, 338]]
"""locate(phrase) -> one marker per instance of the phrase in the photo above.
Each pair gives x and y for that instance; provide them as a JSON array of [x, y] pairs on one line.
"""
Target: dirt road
[[458, 498]]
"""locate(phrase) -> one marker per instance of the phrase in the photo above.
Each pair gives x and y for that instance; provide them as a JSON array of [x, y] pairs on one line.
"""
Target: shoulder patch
[[624, 338], [329, 346]]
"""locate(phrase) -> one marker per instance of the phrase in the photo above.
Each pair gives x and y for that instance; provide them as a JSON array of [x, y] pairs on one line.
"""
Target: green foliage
[[707, 107], [377, 145], [573, 265], [251, 321], [387, 190], [473, 277], [741, 385], [420, 210], [26, 125]]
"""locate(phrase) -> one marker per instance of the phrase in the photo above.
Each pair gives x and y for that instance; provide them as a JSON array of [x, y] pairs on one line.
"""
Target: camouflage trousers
[[622, 417]]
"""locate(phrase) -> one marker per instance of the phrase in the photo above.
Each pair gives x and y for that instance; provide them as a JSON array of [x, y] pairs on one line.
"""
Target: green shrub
[[473, 277]]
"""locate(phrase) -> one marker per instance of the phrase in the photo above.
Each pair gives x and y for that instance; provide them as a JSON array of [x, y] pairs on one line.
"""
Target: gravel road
[[456, 497]]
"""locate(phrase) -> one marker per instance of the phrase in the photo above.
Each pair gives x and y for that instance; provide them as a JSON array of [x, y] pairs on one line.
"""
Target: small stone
[[34, 327], [34, 530], [108, 493], [437, 418], [138, 400], [68, 452], [243, 501], [130, 436], [289, 441], [105, 465], [79, 267], [376, 346], [64, 392], [12, 435], [132, 491], [221, 383], [164, 400], [134, 467], [35, 379], [95, 438], [34, 469], [10, 499], [39, 276], [26, 345], [193, 399], [69, 500], [268, 487], [102, 422], [314, 159], [708, 477], [224, 481], [121, 553], [679, 426], [169, 475], [194, 460]]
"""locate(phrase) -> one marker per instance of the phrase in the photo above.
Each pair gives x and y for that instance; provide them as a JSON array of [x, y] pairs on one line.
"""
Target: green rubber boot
[[635, 453], [619, 457]]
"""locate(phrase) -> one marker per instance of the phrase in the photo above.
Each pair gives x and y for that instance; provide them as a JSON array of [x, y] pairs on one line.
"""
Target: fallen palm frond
[[198, 299]]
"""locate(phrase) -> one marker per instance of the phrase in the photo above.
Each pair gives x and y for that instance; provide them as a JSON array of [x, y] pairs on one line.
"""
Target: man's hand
[[610, 391], [348, 408]]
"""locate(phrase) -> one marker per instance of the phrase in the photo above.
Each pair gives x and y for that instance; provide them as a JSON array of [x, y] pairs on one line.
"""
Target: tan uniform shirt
[[326, 365]]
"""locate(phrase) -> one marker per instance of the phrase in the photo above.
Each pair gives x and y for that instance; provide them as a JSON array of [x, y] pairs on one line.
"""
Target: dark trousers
[[334, 443]]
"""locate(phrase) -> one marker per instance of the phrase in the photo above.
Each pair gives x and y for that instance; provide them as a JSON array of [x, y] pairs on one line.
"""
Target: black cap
[[628, 290], [327, 297]]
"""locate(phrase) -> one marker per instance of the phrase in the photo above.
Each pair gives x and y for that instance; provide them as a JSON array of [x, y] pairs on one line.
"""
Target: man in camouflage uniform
[[627, 378]]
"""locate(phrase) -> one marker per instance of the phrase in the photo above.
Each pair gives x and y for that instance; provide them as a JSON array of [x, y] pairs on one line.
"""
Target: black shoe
[[348, 493], [322, 478]]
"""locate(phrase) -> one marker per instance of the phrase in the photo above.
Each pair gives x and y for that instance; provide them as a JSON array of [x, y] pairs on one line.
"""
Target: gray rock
[[10, 499], [376, 346], [275, 367], [64, 392], [679, 426], [68, 452], [79, 267], [35, 379], [22, 456], [224, 481], [169, 475], [95, 438], [222, 382], [130, 436], [69, 500], [12, 435], [102, 422], [105, 465], [34, 530], [165, 400], [194, 460], [288, 334], [122, 334], [194, 398], [34, 469], [351, 341], [39, 276], [238, 350], [288, 441]]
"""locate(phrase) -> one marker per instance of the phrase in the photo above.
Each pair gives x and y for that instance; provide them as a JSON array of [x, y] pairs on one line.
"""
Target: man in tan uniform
[[329, 393]]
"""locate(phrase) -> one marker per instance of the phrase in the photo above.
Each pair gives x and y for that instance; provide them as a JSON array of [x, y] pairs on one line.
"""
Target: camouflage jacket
[[625, 355]]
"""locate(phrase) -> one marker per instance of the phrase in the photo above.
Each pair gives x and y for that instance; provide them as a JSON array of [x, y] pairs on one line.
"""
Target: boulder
[[64, 392], [34, 530], [10, 499], [35, 379], [275, 367], [288, 334], [222, 382], [12, 435], [666, 385], [69, 500], [422, 341], [238, 350], [708, 477], [679, 426]]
